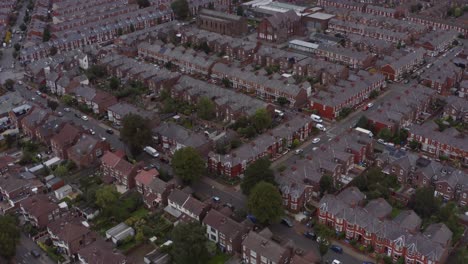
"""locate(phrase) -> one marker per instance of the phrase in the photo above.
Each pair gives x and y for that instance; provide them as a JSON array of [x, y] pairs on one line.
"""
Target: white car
[[298, 151], [66, 109], [38, 93], [381, 141], [92, 131], [85, 118], [369, 105], [335, 261], [316, 140]]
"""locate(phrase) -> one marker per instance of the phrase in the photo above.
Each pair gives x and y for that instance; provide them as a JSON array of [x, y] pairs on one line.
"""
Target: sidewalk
[[348, 249]]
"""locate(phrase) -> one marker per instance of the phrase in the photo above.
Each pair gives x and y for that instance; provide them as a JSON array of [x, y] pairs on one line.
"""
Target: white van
[[316, 118], [321, 127], [151, 151], [279, 113]]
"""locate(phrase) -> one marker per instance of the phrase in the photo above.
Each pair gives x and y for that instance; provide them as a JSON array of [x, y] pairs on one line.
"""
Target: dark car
[[78, 115], [367, 262], [287, 222], [336, 248], [35, 253], [109, 131], [310, 235]]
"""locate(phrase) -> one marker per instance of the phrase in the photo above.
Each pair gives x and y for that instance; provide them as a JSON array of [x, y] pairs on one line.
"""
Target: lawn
[[219, 259]]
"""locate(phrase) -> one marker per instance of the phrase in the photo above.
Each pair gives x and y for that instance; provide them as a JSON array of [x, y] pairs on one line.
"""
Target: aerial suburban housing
[[222, 131]]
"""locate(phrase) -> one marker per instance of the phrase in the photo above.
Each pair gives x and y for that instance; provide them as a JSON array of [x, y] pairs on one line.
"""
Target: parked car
[[66, 109], [38, 93], [298, 151], [287, 222], [77, 115], [216, 199], [109, 131], [369, 105], [35, 253], [381, 141], [336, 248], [335, 261], [85, 118], [310, 235], [92, 131], [316, 140], [60, 114]]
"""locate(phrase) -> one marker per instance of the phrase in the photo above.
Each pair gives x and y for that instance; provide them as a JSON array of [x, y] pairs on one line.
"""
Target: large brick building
[[222, 23]]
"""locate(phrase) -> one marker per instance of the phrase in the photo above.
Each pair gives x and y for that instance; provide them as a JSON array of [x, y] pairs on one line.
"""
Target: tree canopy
[[136, 132], [9, 236], [206, 109], [424, 203], [189, 244], [180, 8], [265, 203], [143, 3], [261, 119], [52, 104], [326, 184], [9, 84], [106, 196], [188, 164], [256, 172]]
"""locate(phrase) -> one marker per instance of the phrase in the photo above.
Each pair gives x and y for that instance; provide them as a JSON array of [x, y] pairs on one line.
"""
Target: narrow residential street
[[23, 252]]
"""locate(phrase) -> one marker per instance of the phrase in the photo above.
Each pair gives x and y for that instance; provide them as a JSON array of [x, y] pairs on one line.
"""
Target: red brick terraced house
[[345, 94], [388, 237], [190, 208], [395, 69], [87, 150], [260, 248], [36, 117], [452, 184], [64, 139], [449, 143], [70, 235], [353, 58], [225, 232], [153, 190], [442, 76], [14, 188], [115, 169], [39, 210], [269, 145]]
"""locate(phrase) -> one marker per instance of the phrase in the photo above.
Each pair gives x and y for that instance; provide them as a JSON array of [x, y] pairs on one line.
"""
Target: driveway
[[23, 252]]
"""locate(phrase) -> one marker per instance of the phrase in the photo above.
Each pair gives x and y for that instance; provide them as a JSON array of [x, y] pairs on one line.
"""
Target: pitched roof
[[146, 176], [379, 208], [225, 225], [179, 197], [67, 134], [264, 246], [100, 252], [438, 233], [351, 195], [38, 205], [409, 220], [68, 229]]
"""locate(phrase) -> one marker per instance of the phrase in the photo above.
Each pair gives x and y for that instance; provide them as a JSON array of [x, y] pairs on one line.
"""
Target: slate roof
[[264, 246], [225, 225]]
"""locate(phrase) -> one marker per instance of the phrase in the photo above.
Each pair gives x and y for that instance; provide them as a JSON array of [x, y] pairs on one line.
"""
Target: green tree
[[180, 8], [114, 83], [9, 236], [61, 170], [68, 100], [256, 172], [240, 11], [136, 132], [282, 101], [206, 109], [414, 145], [106, 197], [374, 94], [188, 164], [9, 84], [143, 3], [424, 203], [265, 203], [261, 120], [385, 134], [457, 12], [326, 184], [52, 104], [363, 122], [323, 248], [46, 34], [324, 232], [189, 244]]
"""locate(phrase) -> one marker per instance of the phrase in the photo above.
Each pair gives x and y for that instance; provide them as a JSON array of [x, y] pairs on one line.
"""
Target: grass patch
[[219, 259], [395, 212], [140, 213]]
